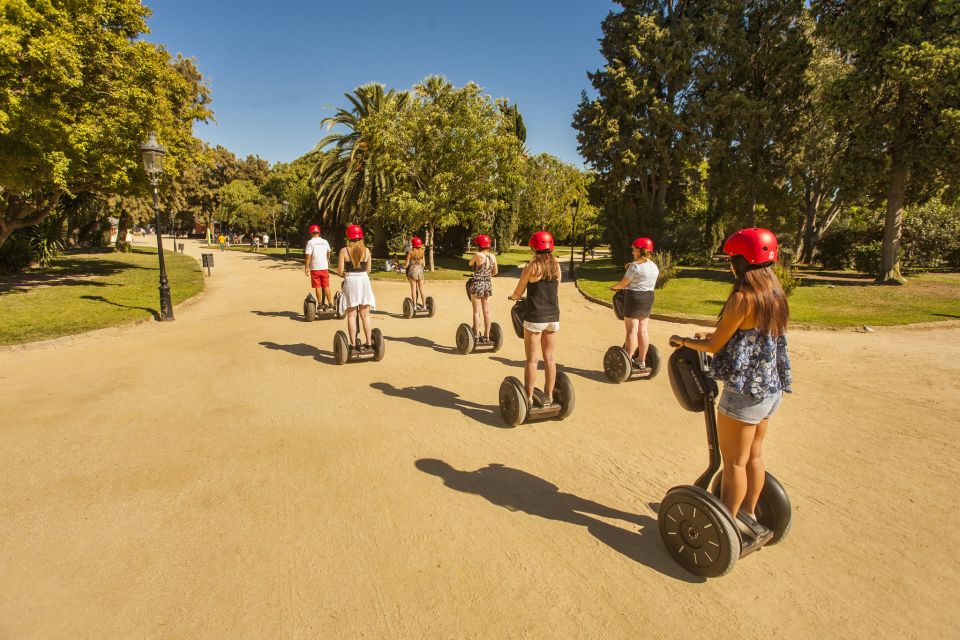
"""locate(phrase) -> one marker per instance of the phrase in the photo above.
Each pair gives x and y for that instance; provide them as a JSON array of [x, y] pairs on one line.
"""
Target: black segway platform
[[344, 351], [516, 410], [410, 310], [467, 339], [618, 364], [312, 311], [698, 531]]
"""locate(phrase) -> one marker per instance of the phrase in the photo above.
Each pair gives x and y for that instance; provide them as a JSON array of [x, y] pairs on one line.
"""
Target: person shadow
[[595, 376], [292, 315], [303, 350], [418, 341], [437, 397], [517, 490]]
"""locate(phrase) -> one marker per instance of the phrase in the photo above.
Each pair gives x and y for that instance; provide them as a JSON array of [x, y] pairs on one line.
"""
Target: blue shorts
[[745, 408]]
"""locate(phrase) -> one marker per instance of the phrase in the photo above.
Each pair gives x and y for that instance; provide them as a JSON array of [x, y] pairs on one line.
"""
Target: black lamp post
[[575, 207], [153, 153], [286, 229]]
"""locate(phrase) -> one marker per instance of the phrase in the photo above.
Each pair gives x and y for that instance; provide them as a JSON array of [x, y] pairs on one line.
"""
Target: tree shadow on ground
[[418, 341], [517, 490], [153, 312], [946, 315], [437, 397], [292, 315], [595, 376], [303, 350], [66, 272]]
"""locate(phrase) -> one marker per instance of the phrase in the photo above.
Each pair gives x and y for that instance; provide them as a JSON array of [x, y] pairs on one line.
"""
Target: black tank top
[[543, 303], [350, 268]]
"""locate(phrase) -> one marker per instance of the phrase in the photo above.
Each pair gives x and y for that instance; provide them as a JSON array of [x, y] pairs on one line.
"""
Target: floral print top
[[753, 364]]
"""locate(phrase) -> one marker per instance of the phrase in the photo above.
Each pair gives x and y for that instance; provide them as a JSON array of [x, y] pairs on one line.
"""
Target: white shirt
[[318, 248], [643, 276]]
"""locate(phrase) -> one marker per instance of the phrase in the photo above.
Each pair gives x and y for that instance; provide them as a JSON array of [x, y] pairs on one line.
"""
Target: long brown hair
[[546, 266], [764, 295], [357, 250], [416, 253]]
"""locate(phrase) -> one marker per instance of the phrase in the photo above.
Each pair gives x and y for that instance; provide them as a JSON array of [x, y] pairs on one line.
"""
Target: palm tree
[[348, 190]]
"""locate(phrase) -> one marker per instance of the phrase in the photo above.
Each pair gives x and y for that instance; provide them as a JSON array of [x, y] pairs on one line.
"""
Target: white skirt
[[357, 291]]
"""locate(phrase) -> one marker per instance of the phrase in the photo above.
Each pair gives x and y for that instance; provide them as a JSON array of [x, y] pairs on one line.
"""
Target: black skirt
[[637, 304]]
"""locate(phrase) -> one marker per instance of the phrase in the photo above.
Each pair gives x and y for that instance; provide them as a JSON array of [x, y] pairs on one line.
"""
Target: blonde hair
[[416, 253], [357, 251], [545, 267]]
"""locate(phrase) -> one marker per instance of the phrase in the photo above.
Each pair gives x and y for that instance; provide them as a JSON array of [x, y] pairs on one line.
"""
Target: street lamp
[[575, 207], [153, 153], [286, 227]]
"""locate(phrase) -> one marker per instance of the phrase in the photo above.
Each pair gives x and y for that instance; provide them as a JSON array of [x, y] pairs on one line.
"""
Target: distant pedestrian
[[222, 241]]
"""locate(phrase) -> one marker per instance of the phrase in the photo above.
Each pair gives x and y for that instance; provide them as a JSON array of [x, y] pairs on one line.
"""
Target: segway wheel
[[379, 345], [773, 508], [431, 307], [564, 394], [698, 532], [341, 351], [513, 401], [407, 308], [652, 361], [616, 364], [309, 309], [465, 339], [517, 313], [496, 334], [336, 305]]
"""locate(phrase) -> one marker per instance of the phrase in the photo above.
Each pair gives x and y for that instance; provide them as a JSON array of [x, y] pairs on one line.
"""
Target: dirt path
[[219, 477]]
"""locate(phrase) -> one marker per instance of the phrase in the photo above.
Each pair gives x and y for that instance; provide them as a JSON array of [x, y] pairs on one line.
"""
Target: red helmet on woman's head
[[416, 242], [643, 243], [483, 241], [354, 232], [542, 242], [756, 245], [314, 228]]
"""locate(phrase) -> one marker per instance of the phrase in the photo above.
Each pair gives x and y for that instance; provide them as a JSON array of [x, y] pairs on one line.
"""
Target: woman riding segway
[[484, 265], [413, 267], [637, 285], [751, 359], [353, 265]]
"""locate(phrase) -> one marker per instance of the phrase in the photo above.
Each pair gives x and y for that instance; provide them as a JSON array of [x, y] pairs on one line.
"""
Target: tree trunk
[[893, 226], [430, 243], [17, 213], [805, 255], [122, 225]]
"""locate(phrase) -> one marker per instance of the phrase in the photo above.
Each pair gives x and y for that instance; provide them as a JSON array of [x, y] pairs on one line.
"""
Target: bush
[[37, 245], [668, 267], [789, 278], [866, 257]]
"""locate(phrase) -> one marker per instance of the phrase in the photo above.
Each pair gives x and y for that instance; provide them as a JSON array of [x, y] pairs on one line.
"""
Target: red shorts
[[320, 279]]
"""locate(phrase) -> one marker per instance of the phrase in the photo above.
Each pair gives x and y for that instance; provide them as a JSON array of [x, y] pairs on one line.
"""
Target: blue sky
[[278, 68]]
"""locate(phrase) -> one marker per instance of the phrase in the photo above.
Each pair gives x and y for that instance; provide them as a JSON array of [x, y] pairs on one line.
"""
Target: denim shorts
[[746, 408]]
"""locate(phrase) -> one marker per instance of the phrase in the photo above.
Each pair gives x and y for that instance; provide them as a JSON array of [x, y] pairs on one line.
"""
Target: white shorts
[[540, 327]]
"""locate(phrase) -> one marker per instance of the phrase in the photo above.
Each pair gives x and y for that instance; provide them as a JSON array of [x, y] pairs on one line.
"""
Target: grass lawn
[[824, 298], [90, 289]]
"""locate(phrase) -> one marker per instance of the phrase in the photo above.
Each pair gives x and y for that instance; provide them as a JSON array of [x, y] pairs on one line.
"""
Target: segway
[[697, 529], [618, 364], [516, 410], [344, 351], [411, 310], [311, 311], [467, 341]]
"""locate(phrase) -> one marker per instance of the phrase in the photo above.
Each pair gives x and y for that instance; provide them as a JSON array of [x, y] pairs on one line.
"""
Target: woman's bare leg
[[644, 338], [365, 318], [735, 439], [756, 469], [477, 315], [352, 324], [530, 342], [548, 343], [423, 298], [630, 343], [413, 290], [487, 320]]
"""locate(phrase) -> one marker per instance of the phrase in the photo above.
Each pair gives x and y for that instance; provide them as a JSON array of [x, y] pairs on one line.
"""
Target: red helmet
[[416, 242], [354, 232], [314, 228], [643, 243], [542, 242], [755, 245], [483, 241]]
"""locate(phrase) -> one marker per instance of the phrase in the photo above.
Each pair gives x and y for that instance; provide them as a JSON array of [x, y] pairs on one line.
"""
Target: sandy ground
[[220, 477]]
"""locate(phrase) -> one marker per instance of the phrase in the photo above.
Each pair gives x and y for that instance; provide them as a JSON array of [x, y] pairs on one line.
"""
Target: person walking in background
[[751, 359], [540, 280], [353, 265], [413, 267], [484, 265], [222, 241], [316, 265], [638, 284]]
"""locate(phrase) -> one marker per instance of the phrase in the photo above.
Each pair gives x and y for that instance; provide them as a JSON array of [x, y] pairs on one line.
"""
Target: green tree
[[79, 90], [546, 200], [240, 205], [900, 99]]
